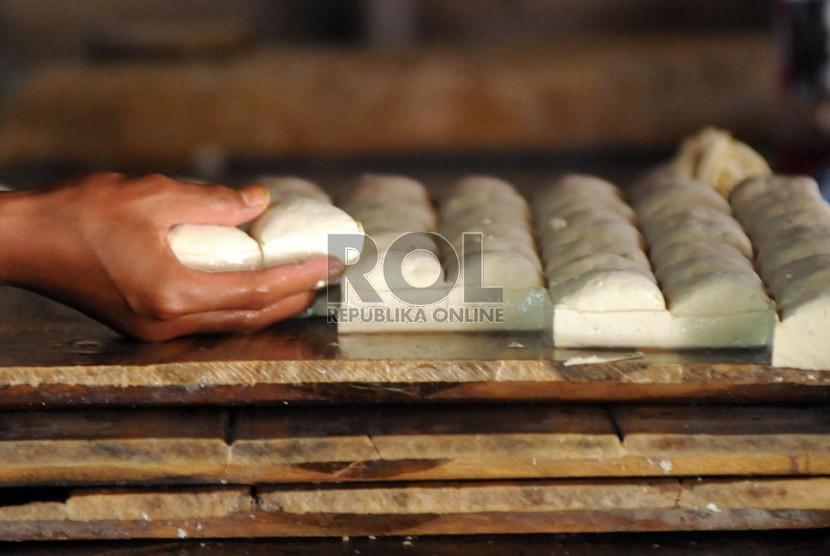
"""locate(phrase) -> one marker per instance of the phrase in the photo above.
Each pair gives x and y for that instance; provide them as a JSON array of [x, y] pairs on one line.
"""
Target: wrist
[[16, 219]]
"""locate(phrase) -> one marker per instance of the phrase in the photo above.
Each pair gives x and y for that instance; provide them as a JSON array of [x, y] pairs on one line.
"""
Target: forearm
[[18, 214]]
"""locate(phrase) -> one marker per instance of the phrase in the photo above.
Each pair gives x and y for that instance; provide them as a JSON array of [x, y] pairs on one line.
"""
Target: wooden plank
[[288, 444], [438, 442], [565, 96], [726, 440], [438, 508], [733, 543], [107, 446], [52, 355]]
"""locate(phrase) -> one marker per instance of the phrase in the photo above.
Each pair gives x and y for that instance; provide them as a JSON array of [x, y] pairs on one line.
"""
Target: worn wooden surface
[[616, 92], [766, 543], [413, 443], [431, 508], [52, 355]]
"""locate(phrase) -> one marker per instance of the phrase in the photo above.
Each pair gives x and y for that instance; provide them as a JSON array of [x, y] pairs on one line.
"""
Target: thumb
[[220, 205]]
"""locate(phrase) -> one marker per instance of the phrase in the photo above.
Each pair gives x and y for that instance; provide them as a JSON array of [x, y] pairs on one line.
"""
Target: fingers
[[221, 321], [194, 291], [213, 204]]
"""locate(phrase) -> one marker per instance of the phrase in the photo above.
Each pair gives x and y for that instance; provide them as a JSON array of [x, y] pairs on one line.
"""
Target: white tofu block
[[590, 232], [555, 257], [374, 187], [678, 195], [718, 293], [286, 187], [596, 261], [695, 267], [299, 229], [214, 248], [792, 249], [664, 256], [496, 268], [802, 337], [608, 291], [581, 185], [734, 237], [660, 329], [754, 194]]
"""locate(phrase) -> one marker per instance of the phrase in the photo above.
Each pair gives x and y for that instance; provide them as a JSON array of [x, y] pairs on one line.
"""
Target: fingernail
[[255, 196], [336, 267]]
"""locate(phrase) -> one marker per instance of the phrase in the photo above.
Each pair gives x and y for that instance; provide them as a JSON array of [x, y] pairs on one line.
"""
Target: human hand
[[99, 243]]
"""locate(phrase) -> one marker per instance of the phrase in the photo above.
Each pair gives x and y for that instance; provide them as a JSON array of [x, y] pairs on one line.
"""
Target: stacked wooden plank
[[308, 461]]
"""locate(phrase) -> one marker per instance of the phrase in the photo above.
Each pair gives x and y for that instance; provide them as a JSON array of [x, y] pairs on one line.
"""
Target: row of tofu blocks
[[672, 265]]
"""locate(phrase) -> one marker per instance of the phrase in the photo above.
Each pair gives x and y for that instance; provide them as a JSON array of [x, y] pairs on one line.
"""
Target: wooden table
[[295, 432]]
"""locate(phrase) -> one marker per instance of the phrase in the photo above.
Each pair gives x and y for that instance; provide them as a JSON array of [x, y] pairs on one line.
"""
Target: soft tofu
[[802, 337], [300, 229], [214, 248]]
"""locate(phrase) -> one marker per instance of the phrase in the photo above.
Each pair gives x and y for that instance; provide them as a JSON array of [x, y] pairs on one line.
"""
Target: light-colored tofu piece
[[693, 218], [300, 228], [694, 267], [556, 258], [586, 208], [792, 249], [284, 187], [580, 184], [390, 218], [597, 261], [679, 196], [802, 337], [727, 235], [214, 248], [600, 291], [495, 268], [375, 187], [496, 244], [593, 232], [667, 255], [407, 241], [783, 224], [755, 193], [717, 293]]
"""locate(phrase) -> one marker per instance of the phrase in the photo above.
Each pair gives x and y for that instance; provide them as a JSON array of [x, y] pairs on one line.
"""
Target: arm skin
[[99, 243]]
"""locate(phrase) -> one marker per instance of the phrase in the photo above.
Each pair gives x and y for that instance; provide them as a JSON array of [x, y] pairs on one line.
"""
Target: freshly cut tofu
[[717, 293], [794, 248], [727, 235], [605, 291], [496, 268], [214, 248], [300, 228], [597, 261], [586, 208], [694, 267], [371, 187], [593, 232], [802, 337], [377, 217], [783, 224], [755, 193], [679, 195], [580, 184], [704, 218], [664, 256], [285, 187], [563, 255]]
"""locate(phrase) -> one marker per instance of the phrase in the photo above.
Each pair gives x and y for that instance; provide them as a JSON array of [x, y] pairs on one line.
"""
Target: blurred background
[[220, 90]]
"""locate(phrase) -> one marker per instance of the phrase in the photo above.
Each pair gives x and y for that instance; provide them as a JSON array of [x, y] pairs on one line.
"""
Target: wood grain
[[438, 508], [726, 543], [288, 444], [616, 92]]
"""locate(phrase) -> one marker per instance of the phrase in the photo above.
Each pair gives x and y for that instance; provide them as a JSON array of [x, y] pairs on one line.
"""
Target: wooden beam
[[615, 92], [412, 443], [441, 508]]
